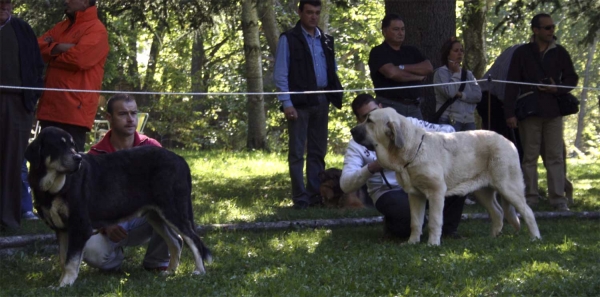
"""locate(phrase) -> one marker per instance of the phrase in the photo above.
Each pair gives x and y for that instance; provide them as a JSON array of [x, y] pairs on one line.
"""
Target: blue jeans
[[308, 131]]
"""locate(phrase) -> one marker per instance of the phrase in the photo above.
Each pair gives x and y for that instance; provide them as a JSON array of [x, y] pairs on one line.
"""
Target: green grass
[[351, 261]]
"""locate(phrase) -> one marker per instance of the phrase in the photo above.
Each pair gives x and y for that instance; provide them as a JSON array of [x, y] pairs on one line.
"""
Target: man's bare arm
[[393, 72]]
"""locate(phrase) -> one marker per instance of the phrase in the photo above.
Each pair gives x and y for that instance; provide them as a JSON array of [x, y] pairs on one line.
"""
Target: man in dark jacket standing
[[21, 65], [541, 61], [305, 61]]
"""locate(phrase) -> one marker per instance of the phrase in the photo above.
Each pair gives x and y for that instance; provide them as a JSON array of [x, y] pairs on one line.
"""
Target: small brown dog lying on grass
[[332, 194]]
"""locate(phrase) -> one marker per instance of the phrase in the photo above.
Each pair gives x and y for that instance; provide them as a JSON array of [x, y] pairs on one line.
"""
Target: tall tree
[[584, 93], [474, 21], [429, 23], [252, 52]]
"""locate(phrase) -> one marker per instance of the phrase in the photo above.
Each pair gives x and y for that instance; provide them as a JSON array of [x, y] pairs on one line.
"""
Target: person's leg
[[316, 146], [157, 254], [530, 131], [78, 133], [100, 252], [453, 208], [396, 212], [468, 127], [297, 133], [15, 127], [554, 162]]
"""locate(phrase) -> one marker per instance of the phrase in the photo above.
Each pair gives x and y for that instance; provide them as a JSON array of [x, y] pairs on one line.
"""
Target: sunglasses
[[548, 28]]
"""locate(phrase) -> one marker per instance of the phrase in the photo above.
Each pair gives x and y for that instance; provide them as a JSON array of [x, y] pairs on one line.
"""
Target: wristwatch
[[401, 67]]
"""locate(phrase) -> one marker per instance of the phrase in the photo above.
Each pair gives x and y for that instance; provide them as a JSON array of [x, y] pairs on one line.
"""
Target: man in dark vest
[[21, 65], [305, 61]]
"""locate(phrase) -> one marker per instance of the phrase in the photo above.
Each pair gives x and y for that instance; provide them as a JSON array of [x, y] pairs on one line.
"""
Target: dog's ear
[[33, 152], [395, 134]]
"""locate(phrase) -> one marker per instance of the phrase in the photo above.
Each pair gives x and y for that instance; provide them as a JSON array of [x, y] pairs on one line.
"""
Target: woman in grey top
[[459, 114]]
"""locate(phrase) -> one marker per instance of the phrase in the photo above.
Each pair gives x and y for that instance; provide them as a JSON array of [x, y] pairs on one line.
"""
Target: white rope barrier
[[284, 93]]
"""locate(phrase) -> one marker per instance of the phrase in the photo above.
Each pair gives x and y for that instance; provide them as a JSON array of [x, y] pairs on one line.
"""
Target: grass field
[[349, 261]]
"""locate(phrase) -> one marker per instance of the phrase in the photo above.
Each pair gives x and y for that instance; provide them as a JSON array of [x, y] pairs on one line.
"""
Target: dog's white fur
[[447, 164]]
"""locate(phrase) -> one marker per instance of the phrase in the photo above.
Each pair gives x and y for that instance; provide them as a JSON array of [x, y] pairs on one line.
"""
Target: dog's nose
[[77, 157], [356, 135]]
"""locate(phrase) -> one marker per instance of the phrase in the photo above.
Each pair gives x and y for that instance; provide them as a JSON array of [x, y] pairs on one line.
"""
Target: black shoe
[[452, 235], [316, 200], [300, 205]]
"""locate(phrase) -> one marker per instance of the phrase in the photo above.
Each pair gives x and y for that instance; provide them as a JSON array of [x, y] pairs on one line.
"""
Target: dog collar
[[419, 148]]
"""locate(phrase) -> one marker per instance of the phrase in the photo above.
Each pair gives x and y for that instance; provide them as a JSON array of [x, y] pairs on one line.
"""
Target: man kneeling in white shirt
[[361, 166]]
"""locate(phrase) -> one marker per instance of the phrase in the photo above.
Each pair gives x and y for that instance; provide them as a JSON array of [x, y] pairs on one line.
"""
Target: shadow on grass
[[264, 198]]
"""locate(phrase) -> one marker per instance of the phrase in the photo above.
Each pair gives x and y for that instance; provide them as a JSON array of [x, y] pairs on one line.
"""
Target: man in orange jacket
[[75, 50]]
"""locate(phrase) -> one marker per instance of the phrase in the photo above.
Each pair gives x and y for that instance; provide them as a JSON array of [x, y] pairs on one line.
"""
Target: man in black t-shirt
[[395, 65]]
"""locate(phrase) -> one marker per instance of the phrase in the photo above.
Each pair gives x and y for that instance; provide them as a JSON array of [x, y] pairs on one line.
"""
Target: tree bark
[[198, 62], [257, 129], [584, 94], [473, 34], [428, 24], [155, 49], [269, 24], [324, 19]]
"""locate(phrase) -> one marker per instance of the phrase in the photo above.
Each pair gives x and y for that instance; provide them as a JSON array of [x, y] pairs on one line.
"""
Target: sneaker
[[561, 207], [29, 216]]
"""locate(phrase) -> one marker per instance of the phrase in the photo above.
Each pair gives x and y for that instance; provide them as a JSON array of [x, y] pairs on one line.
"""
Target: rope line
[[286, 93]]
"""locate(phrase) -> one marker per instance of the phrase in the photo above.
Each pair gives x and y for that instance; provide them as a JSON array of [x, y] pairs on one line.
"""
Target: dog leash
[[423, 137], [419, 148]]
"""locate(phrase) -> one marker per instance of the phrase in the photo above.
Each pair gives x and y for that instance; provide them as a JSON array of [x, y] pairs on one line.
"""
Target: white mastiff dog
[[432, 166]]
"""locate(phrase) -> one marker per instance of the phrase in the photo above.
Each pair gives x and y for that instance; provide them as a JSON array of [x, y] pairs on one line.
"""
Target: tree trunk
[[271, 31], [155, 49], [324, 19], [584, 94], [255, 103], [133, 69], [428, 24], [473, 35], [198, 62], [269, 24]]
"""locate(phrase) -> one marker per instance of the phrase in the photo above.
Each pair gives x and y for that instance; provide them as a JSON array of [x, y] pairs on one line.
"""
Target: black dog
[[75, 194]]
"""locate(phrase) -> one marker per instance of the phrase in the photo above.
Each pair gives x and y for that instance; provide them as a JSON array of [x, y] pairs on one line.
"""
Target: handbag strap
[[463, 77]]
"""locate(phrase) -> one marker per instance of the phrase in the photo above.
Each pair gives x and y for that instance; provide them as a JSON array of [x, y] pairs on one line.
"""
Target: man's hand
[[549, 89], [61, 48], [374, 167], [290, 113], [511, 122], [115, 233]]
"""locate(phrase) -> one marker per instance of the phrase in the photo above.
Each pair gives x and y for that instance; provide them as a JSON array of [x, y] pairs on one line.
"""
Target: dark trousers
[[407, 110], [26, 201], [395, 208], [308, 131], [15, 128], [77, 132]]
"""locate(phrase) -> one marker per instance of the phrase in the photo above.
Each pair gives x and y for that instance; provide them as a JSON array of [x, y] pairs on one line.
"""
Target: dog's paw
[[197, 272]]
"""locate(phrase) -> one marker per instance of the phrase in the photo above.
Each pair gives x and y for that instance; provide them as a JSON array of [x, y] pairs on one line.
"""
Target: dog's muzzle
[[359, 135]]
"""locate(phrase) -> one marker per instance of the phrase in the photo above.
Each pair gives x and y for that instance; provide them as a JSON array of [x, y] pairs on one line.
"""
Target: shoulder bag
[[568, 104], [436, 117]]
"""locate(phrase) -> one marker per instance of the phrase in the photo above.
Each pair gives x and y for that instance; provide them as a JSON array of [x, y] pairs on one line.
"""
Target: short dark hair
[[388, 18], [315, 3], [360, 101], [118, 97], [446, 48], [535, 22]]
